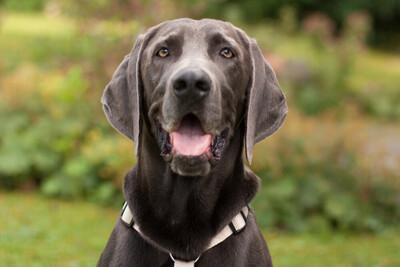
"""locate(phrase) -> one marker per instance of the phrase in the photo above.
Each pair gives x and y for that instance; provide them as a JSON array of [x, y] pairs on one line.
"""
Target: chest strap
[[237, 225]]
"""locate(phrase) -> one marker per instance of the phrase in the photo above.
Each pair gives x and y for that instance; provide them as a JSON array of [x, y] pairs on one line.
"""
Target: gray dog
[[191, 95]]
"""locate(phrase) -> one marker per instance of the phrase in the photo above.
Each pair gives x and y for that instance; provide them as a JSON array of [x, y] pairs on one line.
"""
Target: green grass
[[335, 249], [36, 231]]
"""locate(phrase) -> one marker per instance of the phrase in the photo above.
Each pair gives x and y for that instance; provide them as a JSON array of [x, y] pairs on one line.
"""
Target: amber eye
[[163, 52], [227, 53]]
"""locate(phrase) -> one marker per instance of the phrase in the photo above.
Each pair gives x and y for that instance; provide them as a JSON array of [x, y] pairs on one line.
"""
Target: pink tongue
[[190, 139]]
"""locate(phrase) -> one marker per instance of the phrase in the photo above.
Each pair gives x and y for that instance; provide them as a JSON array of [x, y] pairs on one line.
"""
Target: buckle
[[126, 215], [232, 226], [233, 229]]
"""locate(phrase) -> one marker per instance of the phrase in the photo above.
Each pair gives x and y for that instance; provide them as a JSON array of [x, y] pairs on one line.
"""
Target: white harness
[[237, 224]]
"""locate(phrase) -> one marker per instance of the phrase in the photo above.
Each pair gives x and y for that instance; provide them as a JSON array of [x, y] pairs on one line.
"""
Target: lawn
[[37, 231]]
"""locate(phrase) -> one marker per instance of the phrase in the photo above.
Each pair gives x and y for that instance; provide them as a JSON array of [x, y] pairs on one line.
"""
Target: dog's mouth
[[190, 141]]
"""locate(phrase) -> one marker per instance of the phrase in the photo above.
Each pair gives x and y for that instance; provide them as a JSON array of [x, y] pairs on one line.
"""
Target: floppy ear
[[266, 104], [121, 97]]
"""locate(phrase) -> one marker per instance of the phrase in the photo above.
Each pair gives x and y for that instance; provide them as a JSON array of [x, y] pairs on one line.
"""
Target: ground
[[38, 231]]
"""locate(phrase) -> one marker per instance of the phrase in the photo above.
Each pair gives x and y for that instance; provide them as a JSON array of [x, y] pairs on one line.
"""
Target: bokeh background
[[331, 175]]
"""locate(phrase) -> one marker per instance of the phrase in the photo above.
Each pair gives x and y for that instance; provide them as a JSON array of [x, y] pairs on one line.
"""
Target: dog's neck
[[184, 213]]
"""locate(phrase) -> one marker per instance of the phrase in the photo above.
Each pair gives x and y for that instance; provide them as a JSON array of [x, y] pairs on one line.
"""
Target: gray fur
[[181, 203]]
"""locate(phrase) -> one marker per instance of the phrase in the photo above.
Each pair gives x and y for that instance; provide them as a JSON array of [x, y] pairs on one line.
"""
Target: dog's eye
[[227, 53], [163, 52]]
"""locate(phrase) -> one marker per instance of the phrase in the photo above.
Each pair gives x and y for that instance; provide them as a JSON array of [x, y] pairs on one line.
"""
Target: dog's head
[[193, 83]]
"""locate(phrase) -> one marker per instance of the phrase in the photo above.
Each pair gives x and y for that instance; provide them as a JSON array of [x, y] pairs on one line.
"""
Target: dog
[[191, 95]]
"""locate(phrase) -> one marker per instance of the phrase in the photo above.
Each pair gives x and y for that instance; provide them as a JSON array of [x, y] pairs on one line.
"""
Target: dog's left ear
[[266, 103], [121, 98]]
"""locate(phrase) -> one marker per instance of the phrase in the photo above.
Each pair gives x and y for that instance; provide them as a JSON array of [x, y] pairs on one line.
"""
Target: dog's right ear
[[122, 96]]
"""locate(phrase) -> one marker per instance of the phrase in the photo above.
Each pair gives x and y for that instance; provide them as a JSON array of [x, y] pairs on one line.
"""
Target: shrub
[[318, 177], [325, 197], [53, 134], [49, 139]]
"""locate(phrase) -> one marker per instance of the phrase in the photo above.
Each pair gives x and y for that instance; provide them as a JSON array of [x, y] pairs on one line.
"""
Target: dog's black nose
[[191, 84]]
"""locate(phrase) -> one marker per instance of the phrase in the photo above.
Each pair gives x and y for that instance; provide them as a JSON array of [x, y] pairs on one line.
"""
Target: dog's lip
[[212, 152]]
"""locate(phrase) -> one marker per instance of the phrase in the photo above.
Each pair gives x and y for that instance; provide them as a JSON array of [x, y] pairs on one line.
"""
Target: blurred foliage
[[45, 137], [318, 176], [51, 121], [322, 72], [332, 170], [324, 194], [385, 15]]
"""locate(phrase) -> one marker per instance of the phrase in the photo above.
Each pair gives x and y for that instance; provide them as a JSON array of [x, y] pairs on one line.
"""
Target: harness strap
[[237, 225]]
